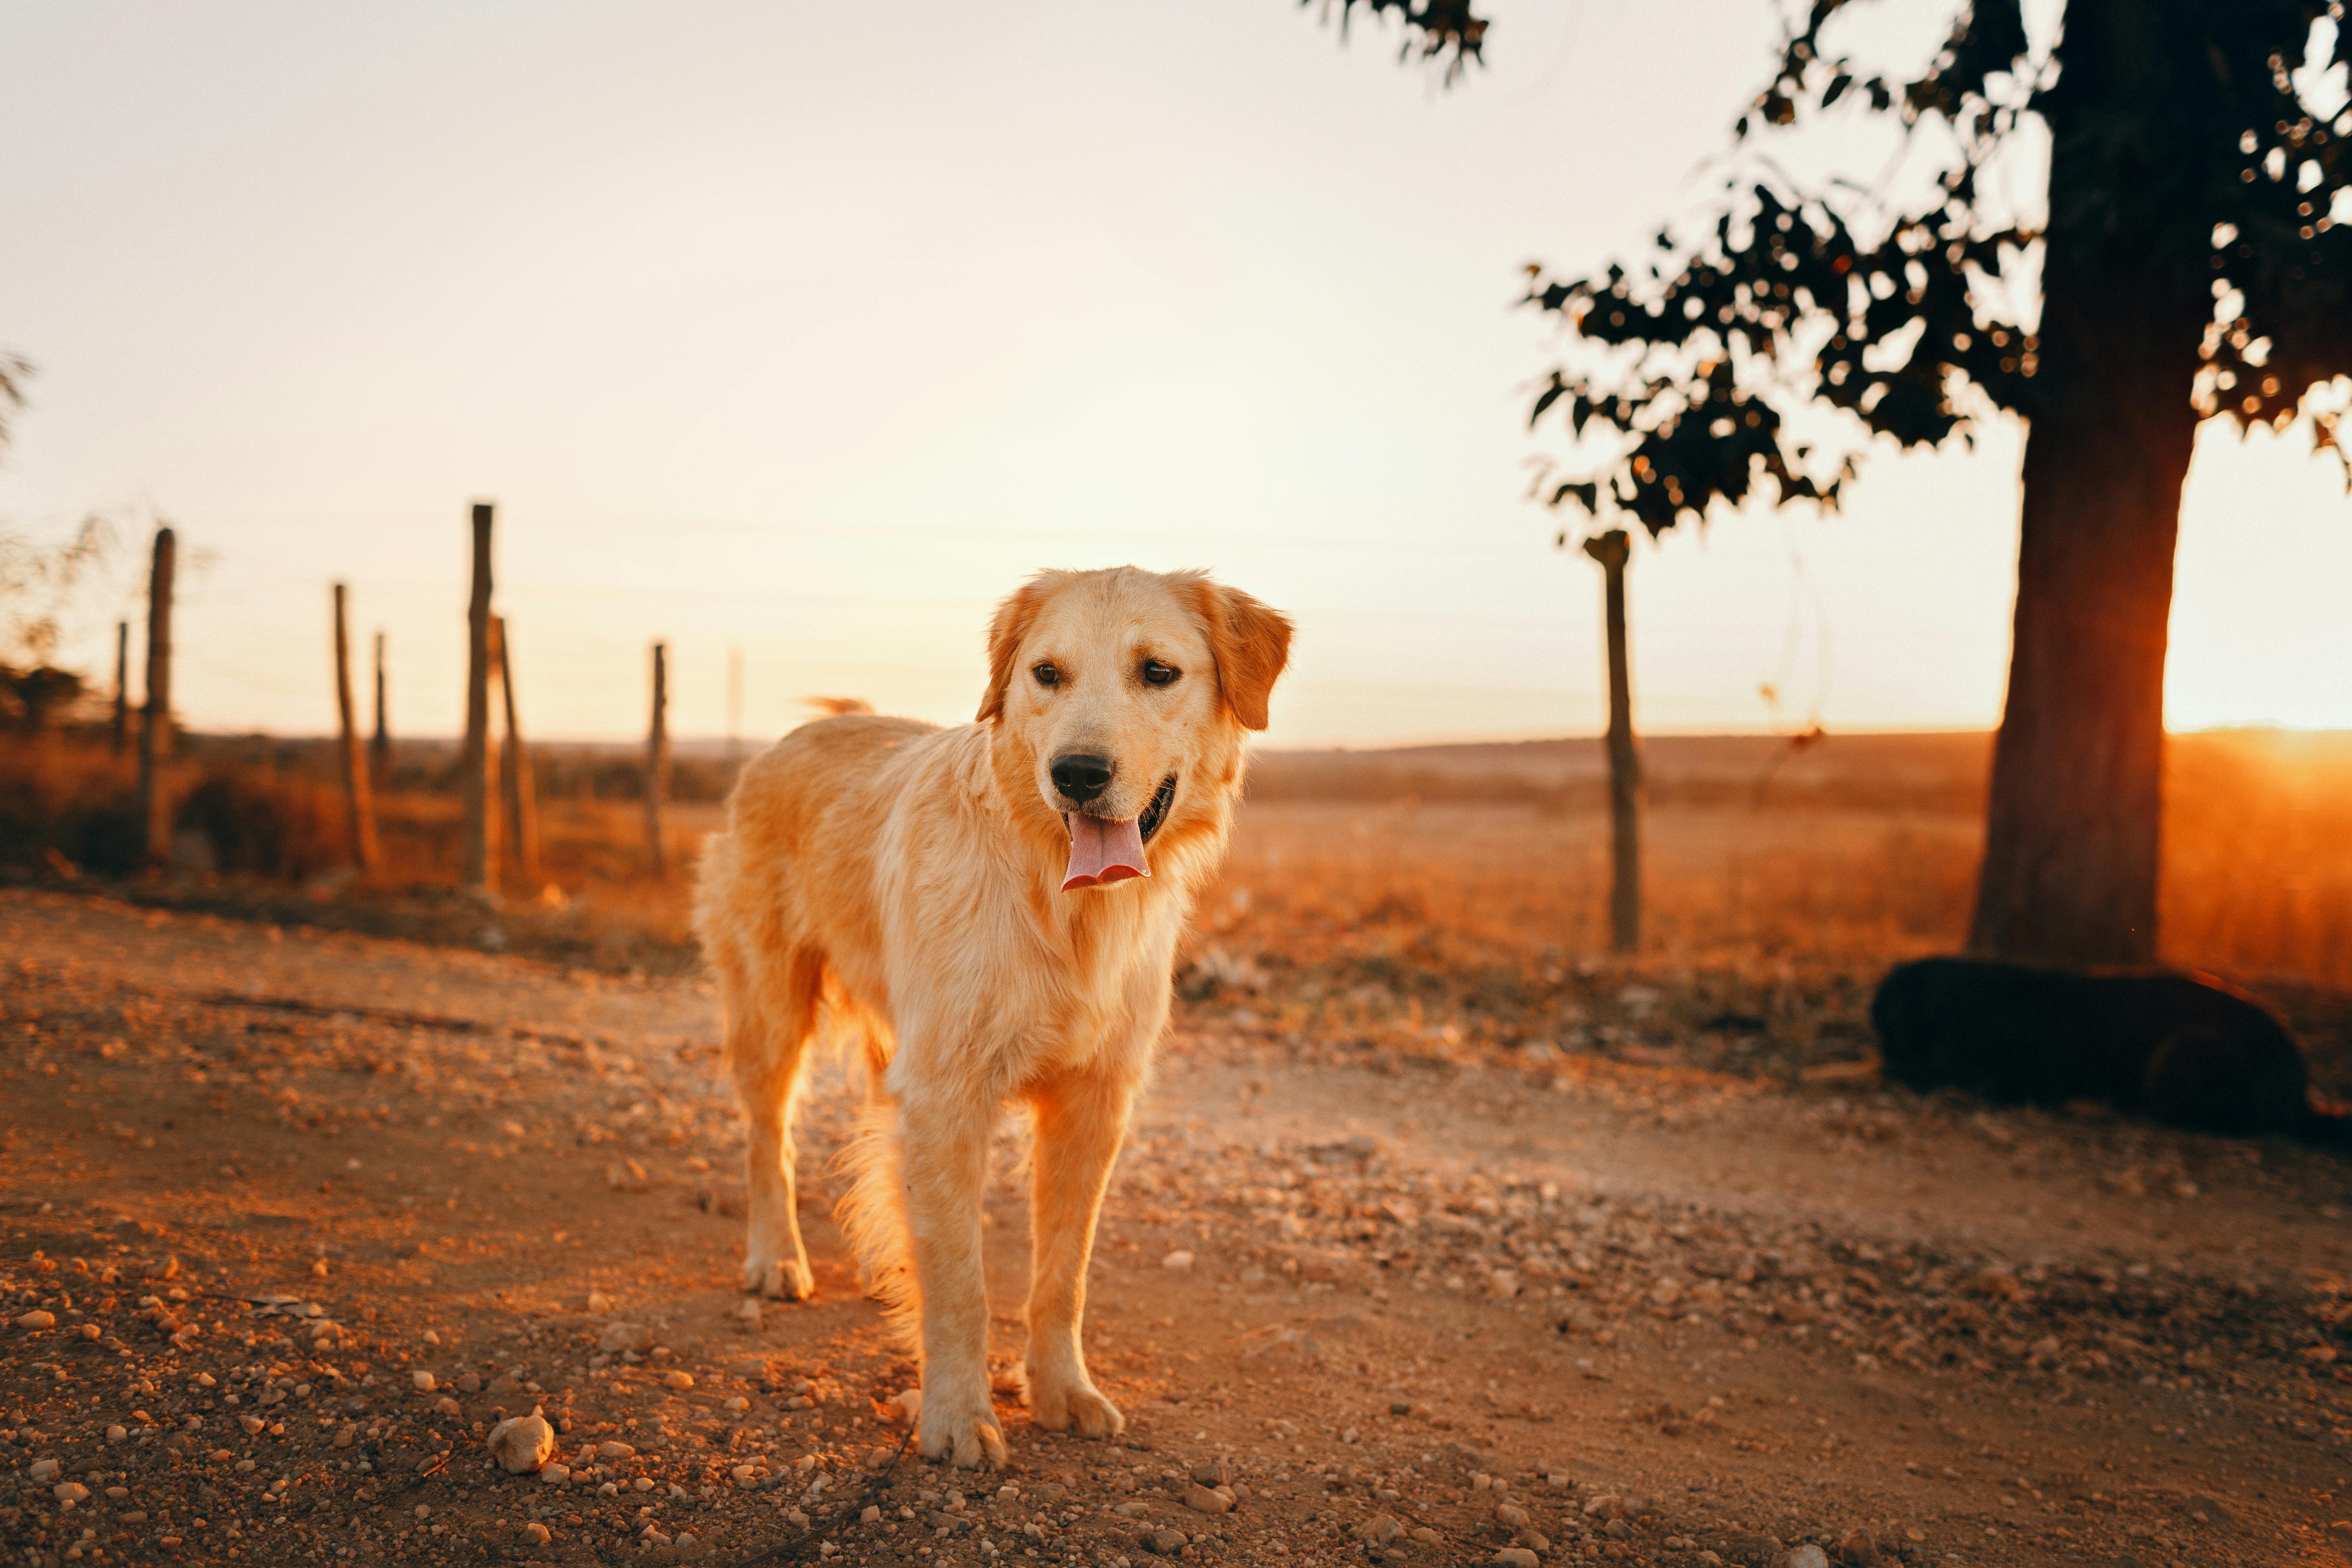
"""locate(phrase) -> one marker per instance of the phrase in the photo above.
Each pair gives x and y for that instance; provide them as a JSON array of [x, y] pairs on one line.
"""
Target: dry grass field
[[1467, 858]]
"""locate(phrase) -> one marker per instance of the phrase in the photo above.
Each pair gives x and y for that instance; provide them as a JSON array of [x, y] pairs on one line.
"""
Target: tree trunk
[[359, 801], [480, 770], [1613, 550], [155, 724], [2073, 826]]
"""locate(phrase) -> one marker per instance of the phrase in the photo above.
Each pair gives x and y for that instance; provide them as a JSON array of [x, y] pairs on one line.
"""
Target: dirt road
[[292, 1219]]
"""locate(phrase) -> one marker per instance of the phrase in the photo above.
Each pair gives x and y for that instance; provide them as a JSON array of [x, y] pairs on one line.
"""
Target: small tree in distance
[[2193, 262]]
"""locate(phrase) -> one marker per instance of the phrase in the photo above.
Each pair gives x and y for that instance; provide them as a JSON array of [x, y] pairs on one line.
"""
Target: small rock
[[1212, 1473], [70, 1491], [615, 1451], [599, 1302], [619, 1337], [555, 1475], [44, 1470], [521, 1443], [1165, 1542], [1426, 1536], [1510, 1513], [1176, 1260], [445, 1405], [423, 1381], [535, 1532], [1534, 1539], [252, 1424], [1379, 1529], [1857, 1549], [748, 1310], [681, 1380], [1515, 1557], [467, 1382], [1207, 1500], [871, 1516], [1806, 1556], [39, 1319]]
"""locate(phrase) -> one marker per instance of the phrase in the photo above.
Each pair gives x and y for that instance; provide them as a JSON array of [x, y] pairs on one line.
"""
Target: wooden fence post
[[480, 761], [122, 687], [1613, 550], [734, 710], [380, 745], [359, 803], [658, 762], [522, 787], [155, 724]]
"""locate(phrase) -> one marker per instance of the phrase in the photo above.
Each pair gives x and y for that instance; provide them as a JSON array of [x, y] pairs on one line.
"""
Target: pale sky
[[810, 330]]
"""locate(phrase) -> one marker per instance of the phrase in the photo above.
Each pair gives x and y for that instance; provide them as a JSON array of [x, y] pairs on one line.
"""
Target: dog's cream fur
[[907, 881]]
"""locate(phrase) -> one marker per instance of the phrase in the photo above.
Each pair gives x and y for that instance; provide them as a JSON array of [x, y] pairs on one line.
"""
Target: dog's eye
[[1157, 674], [1046, 674]]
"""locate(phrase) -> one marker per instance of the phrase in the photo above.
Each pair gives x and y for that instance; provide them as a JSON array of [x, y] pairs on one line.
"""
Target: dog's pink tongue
[[1102, 852]]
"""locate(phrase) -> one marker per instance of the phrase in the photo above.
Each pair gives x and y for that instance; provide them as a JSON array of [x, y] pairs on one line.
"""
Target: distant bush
[[264, 823], [77, 801]]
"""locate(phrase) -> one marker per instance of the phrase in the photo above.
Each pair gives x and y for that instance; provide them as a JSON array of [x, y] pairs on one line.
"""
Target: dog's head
[[1120, 697]]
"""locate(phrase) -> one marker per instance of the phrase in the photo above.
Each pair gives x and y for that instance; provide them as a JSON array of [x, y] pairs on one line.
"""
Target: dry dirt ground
[[290, 1219]]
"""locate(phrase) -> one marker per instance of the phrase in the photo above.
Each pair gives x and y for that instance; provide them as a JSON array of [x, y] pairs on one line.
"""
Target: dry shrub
[[75, 800], [263, 822]]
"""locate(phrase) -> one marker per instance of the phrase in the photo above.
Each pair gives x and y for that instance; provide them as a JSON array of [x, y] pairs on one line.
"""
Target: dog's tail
[[873, 1215], [836, 707]]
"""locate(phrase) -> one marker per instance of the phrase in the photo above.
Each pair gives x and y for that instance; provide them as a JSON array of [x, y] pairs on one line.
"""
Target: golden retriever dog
[[996, 907]]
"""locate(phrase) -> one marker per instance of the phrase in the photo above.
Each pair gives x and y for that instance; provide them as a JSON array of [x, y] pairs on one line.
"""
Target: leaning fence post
[[155, 724], [658, 761], [480, 762], [1613, 550], [122, 687], [380, 745], [521, 788], [359, 803]]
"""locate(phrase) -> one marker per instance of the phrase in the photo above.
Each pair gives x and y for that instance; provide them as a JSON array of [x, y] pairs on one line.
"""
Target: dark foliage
[[33, 698], [2218, 176], [13, 373], [1447, 31]]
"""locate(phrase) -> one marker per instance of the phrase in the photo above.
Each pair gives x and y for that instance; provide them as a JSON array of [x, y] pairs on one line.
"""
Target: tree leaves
[[1449, 31], [1679, 384]]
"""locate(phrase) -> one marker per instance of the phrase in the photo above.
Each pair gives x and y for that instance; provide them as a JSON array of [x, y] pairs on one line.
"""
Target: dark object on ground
[[2179, 1047]]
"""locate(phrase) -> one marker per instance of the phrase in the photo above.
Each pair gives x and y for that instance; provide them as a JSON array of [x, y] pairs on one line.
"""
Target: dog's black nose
[[1080, 776]]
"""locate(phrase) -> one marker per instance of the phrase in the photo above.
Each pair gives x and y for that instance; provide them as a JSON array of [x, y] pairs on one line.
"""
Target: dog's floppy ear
[[1251, 642], [1005, 633]]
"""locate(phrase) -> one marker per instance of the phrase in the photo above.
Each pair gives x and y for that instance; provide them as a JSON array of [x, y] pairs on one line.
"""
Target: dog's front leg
[[944, 1161], [1081, 1120]]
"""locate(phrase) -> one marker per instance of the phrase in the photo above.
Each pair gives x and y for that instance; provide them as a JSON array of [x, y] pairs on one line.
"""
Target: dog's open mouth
[[1104, 850], [1156, 811]]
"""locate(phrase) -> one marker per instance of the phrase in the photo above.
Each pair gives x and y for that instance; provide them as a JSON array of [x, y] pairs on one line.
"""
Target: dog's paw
[[1072, 1403], [963, 1432], [786, 1279]]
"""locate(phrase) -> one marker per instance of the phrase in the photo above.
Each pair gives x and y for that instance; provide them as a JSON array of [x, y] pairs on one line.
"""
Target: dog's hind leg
[[1081, 1121], [767, 1032]]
